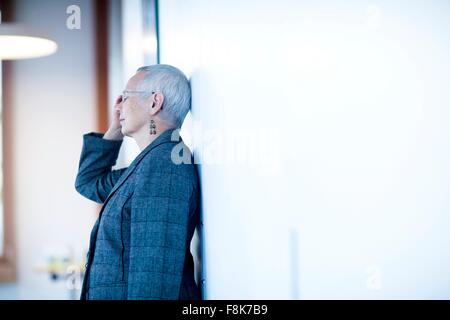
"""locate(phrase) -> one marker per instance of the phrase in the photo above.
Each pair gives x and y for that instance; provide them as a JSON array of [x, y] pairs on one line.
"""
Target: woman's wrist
[[113, 134]]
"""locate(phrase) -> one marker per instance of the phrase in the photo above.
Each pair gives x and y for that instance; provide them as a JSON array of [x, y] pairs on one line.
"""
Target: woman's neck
[[143, 138]]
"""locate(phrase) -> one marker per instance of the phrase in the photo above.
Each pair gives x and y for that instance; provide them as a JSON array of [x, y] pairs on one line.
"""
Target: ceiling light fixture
[[22, 42]]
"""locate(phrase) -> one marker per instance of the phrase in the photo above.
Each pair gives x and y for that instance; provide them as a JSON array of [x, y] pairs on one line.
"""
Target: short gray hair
[[174, 86]]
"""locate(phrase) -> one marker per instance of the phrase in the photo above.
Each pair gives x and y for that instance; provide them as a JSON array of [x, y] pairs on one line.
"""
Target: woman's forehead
[[134, 81]]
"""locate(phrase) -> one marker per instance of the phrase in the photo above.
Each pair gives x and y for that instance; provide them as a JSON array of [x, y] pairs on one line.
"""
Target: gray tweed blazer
[[140, 244]]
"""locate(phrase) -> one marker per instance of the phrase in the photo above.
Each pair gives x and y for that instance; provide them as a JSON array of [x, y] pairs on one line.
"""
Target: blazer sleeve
[[160, 208], [95, 179]]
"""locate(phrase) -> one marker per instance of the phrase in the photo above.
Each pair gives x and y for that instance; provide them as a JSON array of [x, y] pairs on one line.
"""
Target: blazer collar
[[164, 137]]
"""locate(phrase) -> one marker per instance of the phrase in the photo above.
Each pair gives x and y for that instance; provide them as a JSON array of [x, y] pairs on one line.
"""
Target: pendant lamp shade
[[21, 42]]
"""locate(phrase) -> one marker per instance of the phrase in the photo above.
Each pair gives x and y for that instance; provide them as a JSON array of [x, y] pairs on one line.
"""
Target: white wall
[[53, 105], [347, 102]]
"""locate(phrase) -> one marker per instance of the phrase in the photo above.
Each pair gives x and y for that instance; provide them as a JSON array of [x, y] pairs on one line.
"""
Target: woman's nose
[[119, 102]]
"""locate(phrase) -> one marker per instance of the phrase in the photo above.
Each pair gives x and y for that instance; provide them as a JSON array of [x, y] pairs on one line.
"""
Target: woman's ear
[[157, 103]]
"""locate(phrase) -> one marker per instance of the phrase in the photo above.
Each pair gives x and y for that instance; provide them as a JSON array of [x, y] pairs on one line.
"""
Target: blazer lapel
[[162, 138]]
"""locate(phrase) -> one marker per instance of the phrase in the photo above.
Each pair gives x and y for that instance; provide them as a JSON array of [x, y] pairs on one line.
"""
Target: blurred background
[[320, 129]]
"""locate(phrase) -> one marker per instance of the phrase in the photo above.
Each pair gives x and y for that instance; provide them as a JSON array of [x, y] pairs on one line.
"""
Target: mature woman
[[140, 245]]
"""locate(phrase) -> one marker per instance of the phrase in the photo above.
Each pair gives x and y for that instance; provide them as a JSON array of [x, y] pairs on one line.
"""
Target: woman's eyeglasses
[[126, 94]]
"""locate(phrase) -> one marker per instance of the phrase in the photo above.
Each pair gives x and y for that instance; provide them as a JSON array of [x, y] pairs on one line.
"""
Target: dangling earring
[[152, 127]]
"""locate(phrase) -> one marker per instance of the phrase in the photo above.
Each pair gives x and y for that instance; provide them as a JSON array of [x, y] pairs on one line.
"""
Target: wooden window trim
[[8, 259]]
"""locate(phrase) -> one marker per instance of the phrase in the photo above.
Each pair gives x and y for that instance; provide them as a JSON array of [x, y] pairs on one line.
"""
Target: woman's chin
[[124, 131]]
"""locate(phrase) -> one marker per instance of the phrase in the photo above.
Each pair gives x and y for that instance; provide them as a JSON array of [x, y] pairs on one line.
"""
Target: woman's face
[[134, 116]]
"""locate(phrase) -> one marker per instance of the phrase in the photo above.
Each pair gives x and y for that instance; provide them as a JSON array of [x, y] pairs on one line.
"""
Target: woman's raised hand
[[115, 129]]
